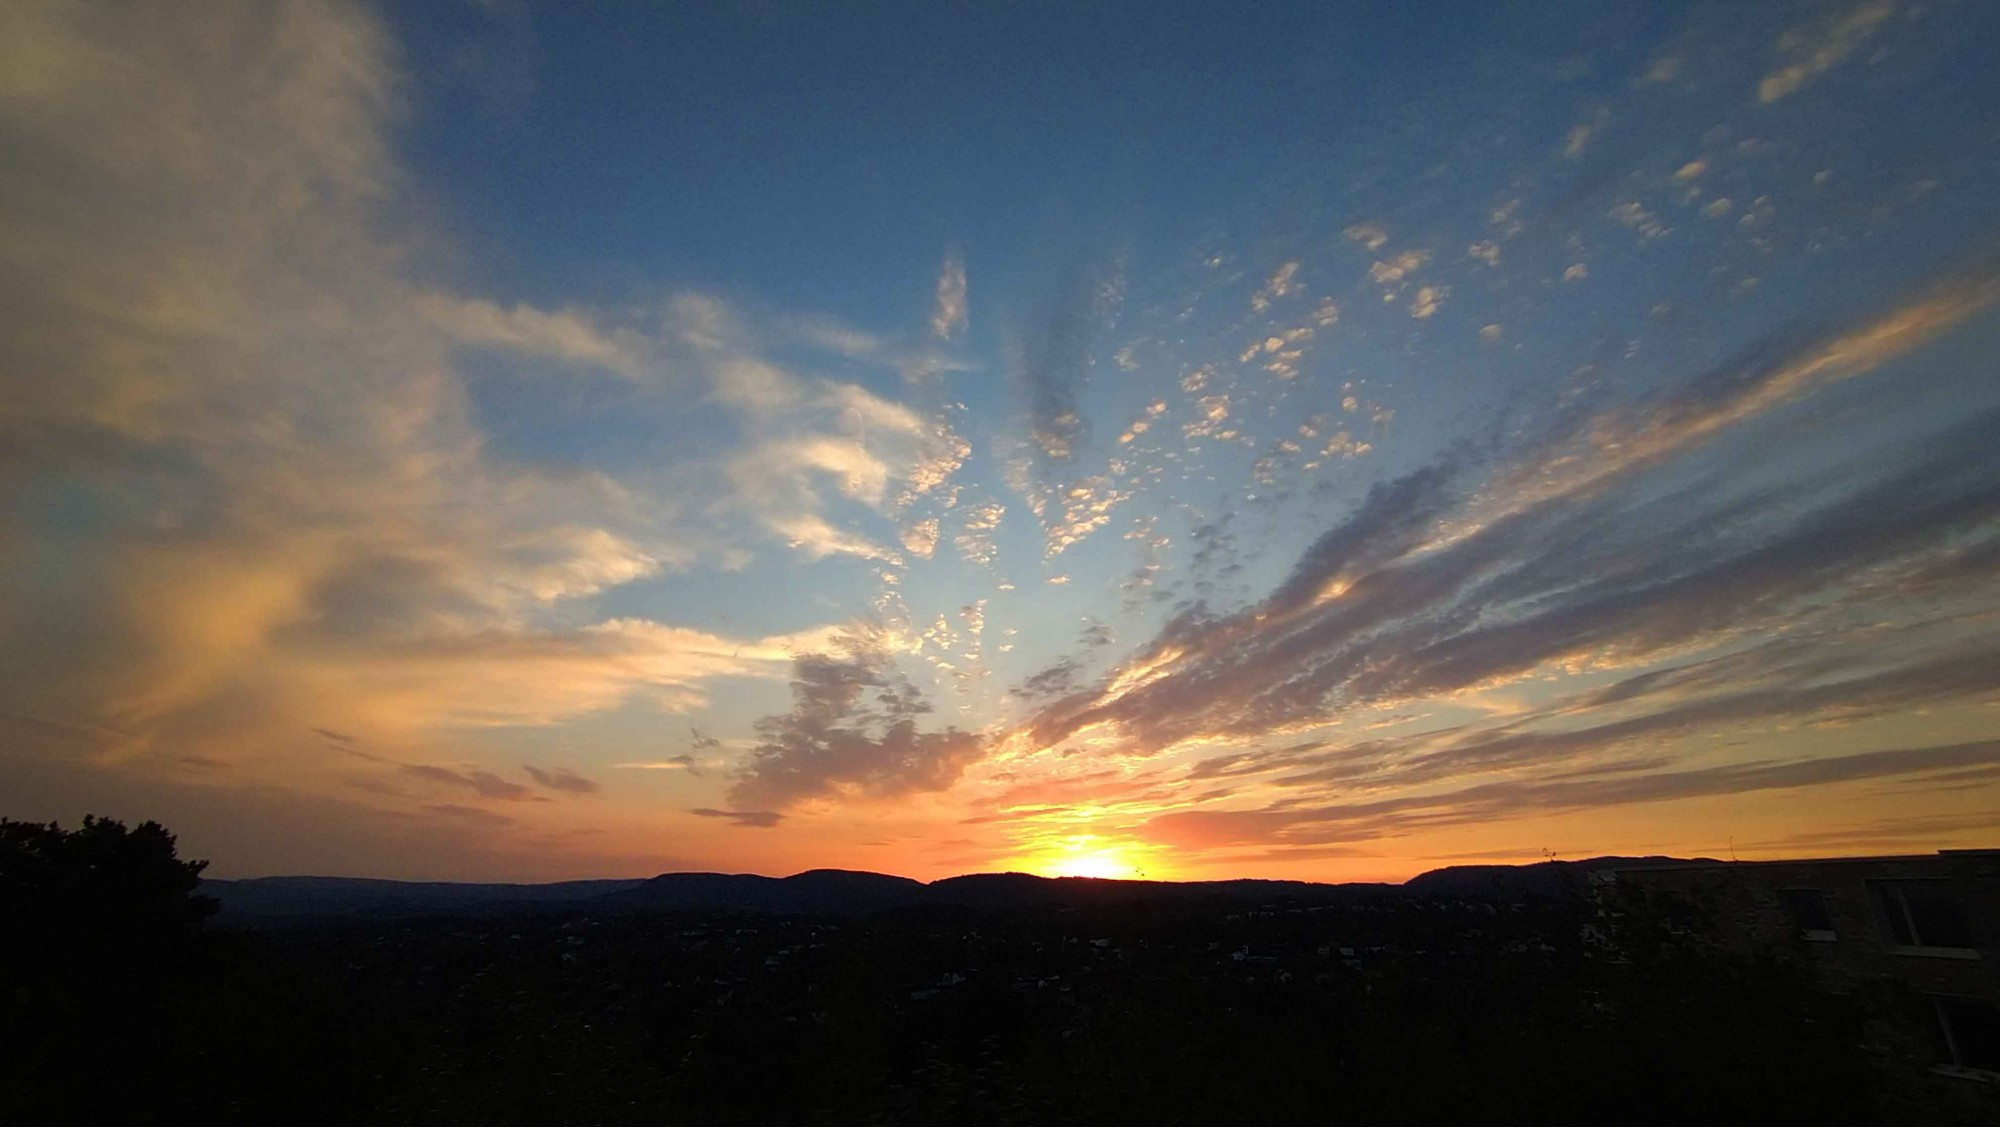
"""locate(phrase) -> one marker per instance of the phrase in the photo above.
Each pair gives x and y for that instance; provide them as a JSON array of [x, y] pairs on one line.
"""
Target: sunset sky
[[515, 442]]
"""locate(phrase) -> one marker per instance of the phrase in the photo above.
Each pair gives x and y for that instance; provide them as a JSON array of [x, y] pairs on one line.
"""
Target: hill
[[817, 890], [1543, 880], [276, 899], [832, 890], [269, 900]]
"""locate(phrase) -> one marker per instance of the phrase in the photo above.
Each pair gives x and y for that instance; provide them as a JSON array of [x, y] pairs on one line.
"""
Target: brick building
[[1928, 923]]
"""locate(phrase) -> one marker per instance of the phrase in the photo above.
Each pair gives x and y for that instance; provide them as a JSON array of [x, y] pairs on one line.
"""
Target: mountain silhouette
[[817, 890], [276, 900], [1543, 880]]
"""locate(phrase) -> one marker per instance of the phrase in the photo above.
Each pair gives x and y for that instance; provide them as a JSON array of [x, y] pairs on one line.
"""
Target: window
[[1971, 1031], [1922, 913], [1809, 913]]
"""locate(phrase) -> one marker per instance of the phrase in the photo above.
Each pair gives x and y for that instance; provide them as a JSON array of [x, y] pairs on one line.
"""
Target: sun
[[1088, 855], [1104, 865]]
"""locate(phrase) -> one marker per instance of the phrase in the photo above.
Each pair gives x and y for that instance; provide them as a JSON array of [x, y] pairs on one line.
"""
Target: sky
[[487, 440]]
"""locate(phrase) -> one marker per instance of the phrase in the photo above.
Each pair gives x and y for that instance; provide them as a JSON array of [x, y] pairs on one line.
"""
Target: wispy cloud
[[567, 335], [949, 317], [686, 763], [1055, 363], [746, 819], [562, 779], [1915, 833], [1580, 134], [1480, 571], [975, 541], [483, 783], [267, 427], [1811, 50], [1356, 821]]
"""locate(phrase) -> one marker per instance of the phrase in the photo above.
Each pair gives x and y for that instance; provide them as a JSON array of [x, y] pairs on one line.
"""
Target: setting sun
[[1089, 856], [1105, 866]]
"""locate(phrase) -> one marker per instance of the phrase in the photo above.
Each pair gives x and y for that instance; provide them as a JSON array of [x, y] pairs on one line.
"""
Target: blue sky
[[500, 439]]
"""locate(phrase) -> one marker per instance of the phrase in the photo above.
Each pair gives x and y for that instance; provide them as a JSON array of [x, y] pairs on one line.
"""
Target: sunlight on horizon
[[1091, 856]]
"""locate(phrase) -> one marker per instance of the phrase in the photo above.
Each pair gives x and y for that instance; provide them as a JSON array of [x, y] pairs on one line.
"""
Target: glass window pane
[[1975, 1031], [1937, 916], [1808, 909], [1890, 898]]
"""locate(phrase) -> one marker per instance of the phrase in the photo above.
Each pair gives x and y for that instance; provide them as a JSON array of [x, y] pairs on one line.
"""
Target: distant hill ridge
[[273, 899], [1552, 879], [838, 889]]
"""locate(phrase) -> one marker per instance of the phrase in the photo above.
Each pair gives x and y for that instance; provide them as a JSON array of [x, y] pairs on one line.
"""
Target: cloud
[[483, 783], [1763, 377], [858, 473], [1459, 576], [494, 676], [1355, 821], [1075, 511], [920, 537], [1282, 283], [1581, 133], [1812, 50], [805, 447], [1773, 686], [1918, 833], [281, 507], [566, 335], [1424, 624], [1427, 301], [949, 317], [851, 733], [1056, 680], [1390, 271], [749, 819], [562, 779], [1055, 364], [179, 368], [872, 452], [1660, 71], [830, 335], [1370, 236], [818, 538], [975, 542], [686, 763]]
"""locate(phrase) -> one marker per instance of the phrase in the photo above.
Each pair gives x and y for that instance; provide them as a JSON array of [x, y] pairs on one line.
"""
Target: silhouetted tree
[[75, 899], [99, 968]]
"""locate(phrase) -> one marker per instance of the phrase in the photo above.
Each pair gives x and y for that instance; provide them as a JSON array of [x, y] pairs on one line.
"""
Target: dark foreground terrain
[[1379, 1005]]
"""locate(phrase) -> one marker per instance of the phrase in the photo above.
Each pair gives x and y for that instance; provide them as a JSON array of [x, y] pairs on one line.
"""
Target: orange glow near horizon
[[1089, 855]]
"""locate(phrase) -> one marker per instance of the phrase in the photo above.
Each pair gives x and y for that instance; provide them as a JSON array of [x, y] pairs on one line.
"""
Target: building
[[1930, 923]]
